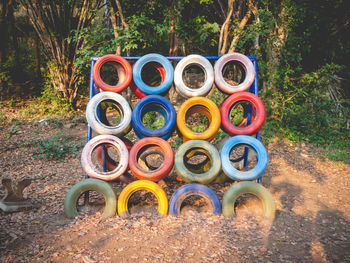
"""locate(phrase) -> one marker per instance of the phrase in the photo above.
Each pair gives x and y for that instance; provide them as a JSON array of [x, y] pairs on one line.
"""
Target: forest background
[[302, 48]]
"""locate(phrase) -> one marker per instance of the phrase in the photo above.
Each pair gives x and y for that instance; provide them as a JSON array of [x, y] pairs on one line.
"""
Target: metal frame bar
[[253, 89]]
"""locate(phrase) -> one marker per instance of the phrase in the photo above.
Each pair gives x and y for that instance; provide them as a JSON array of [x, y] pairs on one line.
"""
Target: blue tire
[[233, 173], [158, 104], [169, 73], [194, 189]]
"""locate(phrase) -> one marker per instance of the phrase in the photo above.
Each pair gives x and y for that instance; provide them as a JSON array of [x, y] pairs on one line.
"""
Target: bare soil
[[311, 195]]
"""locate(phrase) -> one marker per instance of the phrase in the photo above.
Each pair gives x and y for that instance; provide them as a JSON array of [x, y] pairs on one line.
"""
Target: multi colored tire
[[231, 171], [124, 80], [236, 190], [139, 93], [95, 122], [189, 176], [199, 105], [194, 189], [86, 157], [139, 185], [160, 172], [110, 163], [70, 203], [247, 66], [150, 58], [234, 99], [158, 104], [207, 68]]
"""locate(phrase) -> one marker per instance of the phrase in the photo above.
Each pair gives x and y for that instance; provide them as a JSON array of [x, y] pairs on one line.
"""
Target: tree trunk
[[224, 32], [37, 62], [173, 40], [117, 8]]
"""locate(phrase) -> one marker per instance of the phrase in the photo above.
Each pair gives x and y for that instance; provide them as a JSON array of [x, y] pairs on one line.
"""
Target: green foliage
[[55, 148], [338, 155], [217, 97], [153, 120], [48, 105], [13, 129], [306, 110], [175, 143]]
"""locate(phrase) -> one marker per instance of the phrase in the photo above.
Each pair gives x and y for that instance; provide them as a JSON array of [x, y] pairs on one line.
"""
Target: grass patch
[[48, 105], [56, 147], [338, 156]]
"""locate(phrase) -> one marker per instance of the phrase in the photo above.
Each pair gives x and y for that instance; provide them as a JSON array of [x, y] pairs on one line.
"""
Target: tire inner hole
[[154, 116], [150, 75], [111, 113], [248, 204], [237, 157], [110, 72], [239, 112], [195, 204], [233, 73], [150, 157], [194, 76], [198, 118], [95, 203], [143, 203], [197, 160], [105, 157]]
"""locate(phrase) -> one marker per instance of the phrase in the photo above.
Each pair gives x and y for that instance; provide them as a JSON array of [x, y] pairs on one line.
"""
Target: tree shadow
[[324, 237], [297, 159]]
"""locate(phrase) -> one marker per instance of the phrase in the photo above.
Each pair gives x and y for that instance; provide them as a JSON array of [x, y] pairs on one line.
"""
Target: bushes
[[310, 108]]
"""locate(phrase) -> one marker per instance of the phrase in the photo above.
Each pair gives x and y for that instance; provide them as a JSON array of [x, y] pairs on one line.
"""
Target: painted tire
[[248, 68], [86, 157], [230, 102], [138, 185], [194, 189], [110, 163], [97, 125], [189, 176], [70, 203], [139, 93], [253, 188], [111, 59], [164, 62], [205, 65], [231, 171], [153, 103], [199, 105], [160, 172]]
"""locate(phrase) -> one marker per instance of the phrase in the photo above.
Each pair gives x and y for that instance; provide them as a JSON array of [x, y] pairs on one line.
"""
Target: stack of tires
[[154, 141]]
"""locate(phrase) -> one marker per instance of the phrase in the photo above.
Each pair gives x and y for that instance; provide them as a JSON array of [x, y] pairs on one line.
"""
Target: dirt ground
[[312, 222]]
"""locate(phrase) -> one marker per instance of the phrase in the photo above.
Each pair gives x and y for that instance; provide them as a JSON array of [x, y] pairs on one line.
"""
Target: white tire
[[204, 64], [93, 171], [97, 125]]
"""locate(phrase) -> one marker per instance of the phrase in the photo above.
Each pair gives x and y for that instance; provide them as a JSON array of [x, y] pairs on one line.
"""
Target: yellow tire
[[199, 105], [139, 185]]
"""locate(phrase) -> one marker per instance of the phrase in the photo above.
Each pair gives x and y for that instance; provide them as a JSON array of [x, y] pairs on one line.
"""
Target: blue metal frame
[[253, 89]]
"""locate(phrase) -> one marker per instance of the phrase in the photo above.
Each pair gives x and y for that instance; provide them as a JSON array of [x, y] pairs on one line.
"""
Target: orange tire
[[109, 60], [199, 105]]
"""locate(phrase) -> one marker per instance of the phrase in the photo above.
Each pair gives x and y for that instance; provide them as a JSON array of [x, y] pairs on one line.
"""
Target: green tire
[[253, 188], [191, 176], [70, 203]]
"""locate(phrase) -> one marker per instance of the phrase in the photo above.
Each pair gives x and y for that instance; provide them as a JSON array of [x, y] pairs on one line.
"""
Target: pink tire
[[92, 171], [248, 68]]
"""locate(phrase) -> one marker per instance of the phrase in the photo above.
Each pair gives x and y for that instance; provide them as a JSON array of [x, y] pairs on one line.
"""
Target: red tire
[[112, 59], [139, 93], [256, 122], [146, 143]]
